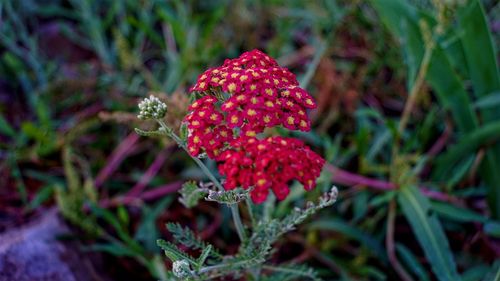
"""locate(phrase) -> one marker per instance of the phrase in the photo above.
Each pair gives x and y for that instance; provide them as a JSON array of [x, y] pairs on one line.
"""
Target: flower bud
[[152, 108], [181, 269]]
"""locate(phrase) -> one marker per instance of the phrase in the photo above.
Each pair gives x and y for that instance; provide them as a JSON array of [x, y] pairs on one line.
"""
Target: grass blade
[[455, 213], [412, 262], [402, 20], [494, 273], [351, 231], [482, 66], [428, 232], [489, 101], [467, 145]]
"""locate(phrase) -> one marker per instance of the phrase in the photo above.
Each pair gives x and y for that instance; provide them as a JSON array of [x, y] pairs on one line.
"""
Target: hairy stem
[[237, 222], [234, 208], [249, 204]]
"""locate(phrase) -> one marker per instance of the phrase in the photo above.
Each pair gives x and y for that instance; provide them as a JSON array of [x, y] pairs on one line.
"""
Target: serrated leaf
[[204, 255], [173, 252], [191, 194], [188, 238], [429, 233], [143, 133], [228, 197]]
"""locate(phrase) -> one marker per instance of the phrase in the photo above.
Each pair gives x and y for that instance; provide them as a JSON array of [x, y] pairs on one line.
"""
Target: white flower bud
[[152, 108], [181, 269]]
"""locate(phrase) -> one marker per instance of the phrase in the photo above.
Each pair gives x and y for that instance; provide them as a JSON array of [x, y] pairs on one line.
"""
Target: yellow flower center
[[251, 112], [231, 87]]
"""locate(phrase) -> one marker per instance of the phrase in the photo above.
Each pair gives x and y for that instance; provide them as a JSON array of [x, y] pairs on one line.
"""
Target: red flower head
[[250, 93], [206, 129], [269, 164]]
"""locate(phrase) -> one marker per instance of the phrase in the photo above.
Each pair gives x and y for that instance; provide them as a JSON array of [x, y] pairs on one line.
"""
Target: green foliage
[[174, 253], [482, 65], [191, 194], [428, 232], [71, 199], [252, 253], [148, 232], [259, 246], [494, 273], [186, 237], [291, 272], [141, 46], [228, 197], [403, 20]]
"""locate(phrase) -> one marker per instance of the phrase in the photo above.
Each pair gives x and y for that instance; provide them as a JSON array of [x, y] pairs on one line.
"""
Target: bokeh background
[[72, 72]]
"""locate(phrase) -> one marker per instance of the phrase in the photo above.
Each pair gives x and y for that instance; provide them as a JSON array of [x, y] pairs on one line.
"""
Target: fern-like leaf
[[188, 238], [291, 272], [174, 253], [191, 194], [228, 197]]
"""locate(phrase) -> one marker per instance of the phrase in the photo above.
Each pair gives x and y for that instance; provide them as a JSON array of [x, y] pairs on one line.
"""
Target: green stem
[[200, 163], [296, 272], [220, 266], [234, 207], [410, 104], [249, 204], [419, 81], [237, 222]]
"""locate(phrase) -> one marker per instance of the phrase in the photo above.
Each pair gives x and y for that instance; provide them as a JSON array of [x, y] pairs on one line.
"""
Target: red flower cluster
[[267, 164], [261, 94], [206, 129], [239, 100]]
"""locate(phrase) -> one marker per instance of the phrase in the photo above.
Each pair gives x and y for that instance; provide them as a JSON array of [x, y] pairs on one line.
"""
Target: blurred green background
[[72, 72]]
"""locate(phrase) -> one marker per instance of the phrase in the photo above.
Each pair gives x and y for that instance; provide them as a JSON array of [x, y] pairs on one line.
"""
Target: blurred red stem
[[390, 243], [145, 196], [441, 141], [347, 178], [117, 156], [150, 173]]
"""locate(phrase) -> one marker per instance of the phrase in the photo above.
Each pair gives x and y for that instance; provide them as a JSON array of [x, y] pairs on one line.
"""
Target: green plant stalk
[[234, 207], [405, 116], [286, 270], [220, 266], [412, 99], [248, 202], [430, 45], [237, 222]]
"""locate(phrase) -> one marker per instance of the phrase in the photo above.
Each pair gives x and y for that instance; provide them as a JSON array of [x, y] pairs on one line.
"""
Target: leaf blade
[[428, 232]]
